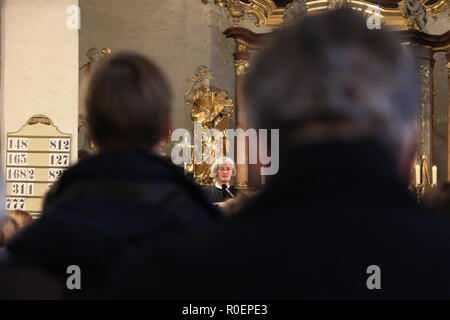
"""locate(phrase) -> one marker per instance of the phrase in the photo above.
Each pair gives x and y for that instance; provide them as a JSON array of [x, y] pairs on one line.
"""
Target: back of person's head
[[128, 103], [8, 229], [328, 76], [22, 218]]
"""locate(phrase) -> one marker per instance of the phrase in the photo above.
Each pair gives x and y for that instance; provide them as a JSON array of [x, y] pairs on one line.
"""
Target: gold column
[[241, 64]]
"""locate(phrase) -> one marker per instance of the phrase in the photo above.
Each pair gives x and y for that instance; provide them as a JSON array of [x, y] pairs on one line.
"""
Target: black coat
[[23, 283], [105, 209], [333, 210], [215, 194]]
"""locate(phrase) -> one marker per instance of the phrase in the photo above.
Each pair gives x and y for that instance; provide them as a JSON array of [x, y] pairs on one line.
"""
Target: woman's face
[[224, 173]]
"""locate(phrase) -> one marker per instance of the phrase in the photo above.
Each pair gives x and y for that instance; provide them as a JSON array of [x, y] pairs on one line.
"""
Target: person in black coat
[[18, 282], [337, 221], [107, 208]]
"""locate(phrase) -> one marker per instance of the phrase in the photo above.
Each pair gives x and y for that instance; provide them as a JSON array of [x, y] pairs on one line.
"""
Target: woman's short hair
[[128, 103], [219, 162]]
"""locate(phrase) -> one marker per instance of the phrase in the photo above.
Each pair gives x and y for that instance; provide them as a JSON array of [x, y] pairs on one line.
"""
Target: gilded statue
[[212, 109], [337, 4], [95, 58], [294, 10], [414, 12]]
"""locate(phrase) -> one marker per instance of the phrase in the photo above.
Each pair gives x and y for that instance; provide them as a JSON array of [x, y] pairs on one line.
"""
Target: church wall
[[179, 35], [174, 33], [222, 49]]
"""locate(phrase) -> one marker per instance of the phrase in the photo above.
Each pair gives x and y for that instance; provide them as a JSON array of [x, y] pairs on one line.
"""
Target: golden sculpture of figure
[[415, 13], [294, 11], [337, 4], [212, 109], [96, 57]]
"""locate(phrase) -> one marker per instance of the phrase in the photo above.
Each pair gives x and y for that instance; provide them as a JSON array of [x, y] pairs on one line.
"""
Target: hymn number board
[[36, 157]]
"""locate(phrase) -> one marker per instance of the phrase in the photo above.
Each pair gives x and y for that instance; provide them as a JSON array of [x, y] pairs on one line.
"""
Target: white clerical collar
[[220, 187]]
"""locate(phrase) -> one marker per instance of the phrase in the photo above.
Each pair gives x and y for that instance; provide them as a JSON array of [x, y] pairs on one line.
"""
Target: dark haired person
[[108, 207], [337, 221]]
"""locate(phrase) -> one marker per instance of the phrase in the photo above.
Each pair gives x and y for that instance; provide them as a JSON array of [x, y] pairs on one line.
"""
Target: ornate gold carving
[[241, 46], [95, 57], [424, 181], [237, 9], [269, 15], [211, 109], [437, 8], [336, 4], [424, 73], [241, 67]]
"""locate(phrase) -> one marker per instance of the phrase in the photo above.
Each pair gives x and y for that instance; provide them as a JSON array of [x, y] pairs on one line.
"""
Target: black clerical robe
[[218, 195]]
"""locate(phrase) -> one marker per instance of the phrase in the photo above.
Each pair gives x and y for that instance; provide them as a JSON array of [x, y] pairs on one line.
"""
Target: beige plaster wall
[[39, 66], [174, 33], [179, 35]]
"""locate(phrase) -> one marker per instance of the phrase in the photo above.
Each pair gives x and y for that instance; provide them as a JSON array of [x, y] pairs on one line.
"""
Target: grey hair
[[328, 68], [219, 162]]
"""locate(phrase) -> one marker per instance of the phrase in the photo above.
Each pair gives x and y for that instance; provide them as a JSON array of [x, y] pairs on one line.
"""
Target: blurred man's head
[[329, 77], [128, 103]]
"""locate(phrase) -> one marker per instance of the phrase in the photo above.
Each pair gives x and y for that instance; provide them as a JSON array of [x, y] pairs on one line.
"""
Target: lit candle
[[417, 175], [434, 173]]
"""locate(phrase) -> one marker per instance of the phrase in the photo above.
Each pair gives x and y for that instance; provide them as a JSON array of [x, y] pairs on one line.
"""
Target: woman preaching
[[222, 170]]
